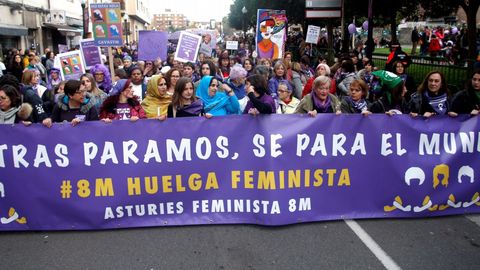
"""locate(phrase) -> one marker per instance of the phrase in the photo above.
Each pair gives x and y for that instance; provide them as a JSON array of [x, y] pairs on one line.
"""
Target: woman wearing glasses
[[75, 106], [122, 104], [102, 77]]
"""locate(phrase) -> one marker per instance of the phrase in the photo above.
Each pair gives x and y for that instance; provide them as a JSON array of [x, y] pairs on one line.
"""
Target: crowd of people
[[226, 83]]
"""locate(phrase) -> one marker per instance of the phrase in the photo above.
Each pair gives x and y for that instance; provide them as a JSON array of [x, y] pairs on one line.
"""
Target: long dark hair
[[424, 85], [179, 87], [468, 83], [259, 84]]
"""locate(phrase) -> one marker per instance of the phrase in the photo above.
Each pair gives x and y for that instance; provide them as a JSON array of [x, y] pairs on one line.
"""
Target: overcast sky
[[195, 10]]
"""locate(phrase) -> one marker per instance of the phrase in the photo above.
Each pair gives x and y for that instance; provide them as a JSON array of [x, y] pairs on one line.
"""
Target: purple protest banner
[[152, 45], [91, 53], [269, 170], [187, 48]]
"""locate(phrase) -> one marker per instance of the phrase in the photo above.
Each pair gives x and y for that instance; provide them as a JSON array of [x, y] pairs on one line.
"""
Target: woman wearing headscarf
[[184, 102], [158, 98], [356, 101], [260, 101], [468, 100], [121, 104], [102, 77], [432, 96], [214, 102], [319, 100], [54, 78], [392, 99], [12, 110]]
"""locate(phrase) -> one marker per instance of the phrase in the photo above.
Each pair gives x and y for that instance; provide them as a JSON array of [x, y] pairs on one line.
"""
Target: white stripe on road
[[386, 260], [474, 218]]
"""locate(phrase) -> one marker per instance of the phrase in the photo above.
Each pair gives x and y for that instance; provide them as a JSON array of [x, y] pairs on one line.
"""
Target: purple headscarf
[[106, 84]]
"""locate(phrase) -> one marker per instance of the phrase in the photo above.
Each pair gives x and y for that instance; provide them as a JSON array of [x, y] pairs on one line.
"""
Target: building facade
[[169, 21]]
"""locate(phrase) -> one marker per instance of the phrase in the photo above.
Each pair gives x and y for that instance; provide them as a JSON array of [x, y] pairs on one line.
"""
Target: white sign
[[323, 4], [323, 13], [232, 45], [56, 17], [313, 33]]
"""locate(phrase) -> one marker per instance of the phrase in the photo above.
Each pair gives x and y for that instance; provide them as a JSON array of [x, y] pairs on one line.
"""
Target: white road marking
[[474, 218], [381, 255]]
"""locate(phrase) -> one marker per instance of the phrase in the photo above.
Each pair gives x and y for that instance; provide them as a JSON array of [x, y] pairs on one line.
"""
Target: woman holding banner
[[184, 102], [432, 96], [158, 98], [319, 100], [214, 102], [468, 100], [122, 104]]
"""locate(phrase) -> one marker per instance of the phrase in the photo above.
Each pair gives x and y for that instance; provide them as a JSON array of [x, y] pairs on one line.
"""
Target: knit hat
[[127, 58], [119, 87], [387, 78], [237, 71]]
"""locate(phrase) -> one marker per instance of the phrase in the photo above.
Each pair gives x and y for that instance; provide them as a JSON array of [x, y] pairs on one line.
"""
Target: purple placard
[[91, 53], [152, 44], [187, 48], [269, 170], [62, 48]]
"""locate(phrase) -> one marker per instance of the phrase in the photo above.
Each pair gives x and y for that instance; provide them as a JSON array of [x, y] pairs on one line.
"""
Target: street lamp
[[83, 4], [244, 11], [125, 18]]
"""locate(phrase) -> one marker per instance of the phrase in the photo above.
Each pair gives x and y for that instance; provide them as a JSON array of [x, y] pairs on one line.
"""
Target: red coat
[[307, 89], [434, 45]]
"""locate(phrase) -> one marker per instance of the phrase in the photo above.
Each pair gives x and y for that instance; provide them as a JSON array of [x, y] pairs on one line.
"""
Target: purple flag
[[152, 45]]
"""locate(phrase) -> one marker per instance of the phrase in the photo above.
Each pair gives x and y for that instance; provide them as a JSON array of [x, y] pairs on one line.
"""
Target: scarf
[[195, 108], [358, 106], [8, 117], [216, 102], [155, 104], [438, 103], [322, 107]]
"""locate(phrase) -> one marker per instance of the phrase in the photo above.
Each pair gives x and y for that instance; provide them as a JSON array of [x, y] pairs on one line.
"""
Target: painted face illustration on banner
[[266, 28]]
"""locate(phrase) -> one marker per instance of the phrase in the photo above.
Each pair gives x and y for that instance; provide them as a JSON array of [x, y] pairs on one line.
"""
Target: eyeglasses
[[82, 92], [282, 91]]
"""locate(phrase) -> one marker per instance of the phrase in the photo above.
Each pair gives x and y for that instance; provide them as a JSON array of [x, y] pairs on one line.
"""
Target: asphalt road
[[433, 243]]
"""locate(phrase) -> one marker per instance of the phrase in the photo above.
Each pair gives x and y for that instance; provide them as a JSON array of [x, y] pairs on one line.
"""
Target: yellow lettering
[[281, 181], [318, 175], [307, 178], [195, 182], [151, 185], [211, 181], [248, 175], [178, 181], [266, 180], [344, 178], [294, 178], [167, 183], [235, 179], [331, 174], [103, 188], [134, 186]]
